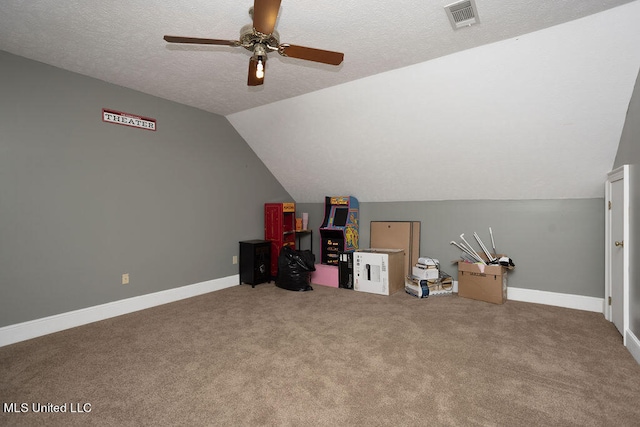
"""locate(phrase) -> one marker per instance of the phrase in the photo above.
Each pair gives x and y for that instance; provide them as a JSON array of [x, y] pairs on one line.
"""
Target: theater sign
[[126, 119]]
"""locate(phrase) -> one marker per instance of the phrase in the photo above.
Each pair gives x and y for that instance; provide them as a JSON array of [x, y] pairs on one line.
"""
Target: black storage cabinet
[[255, 262]]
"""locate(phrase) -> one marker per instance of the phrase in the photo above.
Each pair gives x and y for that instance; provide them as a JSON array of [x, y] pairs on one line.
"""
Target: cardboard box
[[482, 282], [399, 235], [378, 271]]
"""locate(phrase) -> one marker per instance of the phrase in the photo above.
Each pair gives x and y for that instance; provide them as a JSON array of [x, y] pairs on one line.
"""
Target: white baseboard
[[633, 344], [35, 328], [577, 302]]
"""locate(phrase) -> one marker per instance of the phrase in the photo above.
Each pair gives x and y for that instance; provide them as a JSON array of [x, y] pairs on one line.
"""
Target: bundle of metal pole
[[468, 252], [493, 243], [484, 248], [476, 253]]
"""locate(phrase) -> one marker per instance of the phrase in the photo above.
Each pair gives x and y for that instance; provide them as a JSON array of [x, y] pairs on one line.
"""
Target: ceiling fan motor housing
[[249, 37]]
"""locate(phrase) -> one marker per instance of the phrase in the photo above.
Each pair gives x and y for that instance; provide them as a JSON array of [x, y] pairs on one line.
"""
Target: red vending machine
[[279, 229], [339, 230]]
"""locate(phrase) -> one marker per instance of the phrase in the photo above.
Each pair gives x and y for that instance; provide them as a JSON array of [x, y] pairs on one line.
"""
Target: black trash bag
[[294, 269]]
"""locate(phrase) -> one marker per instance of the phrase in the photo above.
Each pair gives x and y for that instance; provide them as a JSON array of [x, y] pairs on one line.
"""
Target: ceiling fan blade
[[196, 40], [265, 14], [253, 80], [311, 54]]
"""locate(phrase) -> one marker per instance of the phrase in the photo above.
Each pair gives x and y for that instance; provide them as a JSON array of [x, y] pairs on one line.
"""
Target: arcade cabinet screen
[[340, 217]]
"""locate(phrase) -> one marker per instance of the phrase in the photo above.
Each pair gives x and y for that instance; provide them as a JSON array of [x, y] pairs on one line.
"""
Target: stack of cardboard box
[[427, 279]]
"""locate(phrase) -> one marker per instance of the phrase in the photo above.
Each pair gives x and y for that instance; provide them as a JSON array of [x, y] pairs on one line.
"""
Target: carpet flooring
[[266, 356]]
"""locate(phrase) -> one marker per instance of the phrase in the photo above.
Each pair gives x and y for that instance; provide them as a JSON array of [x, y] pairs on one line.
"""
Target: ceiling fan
[[261, 38]]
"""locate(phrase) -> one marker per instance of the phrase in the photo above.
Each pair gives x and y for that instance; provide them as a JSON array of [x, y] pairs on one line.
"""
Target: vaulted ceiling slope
[[417, 111], [538, 116]]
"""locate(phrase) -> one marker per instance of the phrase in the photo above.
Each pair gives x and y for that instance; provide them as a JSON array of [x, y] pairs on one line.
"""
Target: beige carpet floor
[[266, 356]]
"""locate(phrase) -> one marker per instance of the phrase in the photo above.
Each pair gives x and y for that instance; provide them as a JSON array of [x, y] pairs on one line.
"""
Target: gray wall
[[557, 245], [629, 148], [629, 153], [83, 201]]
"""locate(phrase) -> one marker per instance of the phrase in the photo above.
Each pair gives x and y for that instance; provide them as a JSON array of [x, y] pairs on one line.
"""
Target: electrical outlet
[[234, 259], [125, 279]]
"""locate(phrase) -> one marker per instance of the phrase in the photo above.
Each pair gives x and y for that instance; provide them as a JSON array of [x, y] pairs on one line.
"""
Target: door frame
[[621, 173]]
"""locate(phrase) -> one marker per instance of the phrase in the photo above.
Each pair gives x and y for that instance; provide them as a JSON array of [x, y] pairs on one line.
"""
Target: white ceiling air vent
[[462, 13]]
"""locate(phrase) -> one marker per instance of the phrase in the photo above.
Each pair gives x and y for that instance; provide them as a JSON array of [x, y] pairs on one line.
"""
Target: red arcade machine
[[339, 230]]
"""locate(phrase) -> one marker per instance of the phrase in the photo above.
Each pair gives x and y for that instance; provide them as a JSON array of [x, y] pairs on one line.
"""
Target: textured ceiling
[[122, 43]]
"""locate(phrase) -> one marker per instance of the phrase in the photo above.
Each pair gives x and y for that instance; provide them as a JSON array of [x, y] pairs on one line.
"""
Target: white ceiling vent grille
[[462, 13]]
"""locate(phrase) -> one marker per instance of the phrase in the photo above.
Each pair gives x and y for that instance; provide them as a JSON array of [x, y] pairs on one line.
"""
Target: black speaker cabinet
[[345, 270], [255, 262]]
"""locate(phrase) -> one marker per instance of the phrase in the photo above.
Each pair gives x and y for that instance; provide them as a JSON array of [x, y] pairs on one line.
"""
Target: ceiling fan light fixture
[[260, 67], [260, 55], [259, 50]]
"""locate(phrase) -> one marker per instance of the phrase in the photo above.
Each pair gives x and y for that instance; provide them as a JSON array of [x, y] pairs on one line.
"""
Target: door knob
[[620, 243]]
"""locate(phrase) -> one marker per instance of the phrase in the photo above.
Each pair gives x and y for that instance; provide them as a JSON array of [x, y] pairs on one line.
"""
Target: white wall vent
[[462, 13]]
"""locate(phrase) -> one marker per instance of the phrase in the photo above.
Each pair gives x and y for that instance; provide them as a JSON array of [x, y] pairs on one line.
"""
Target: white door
[[617, 260], [617, 249]]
